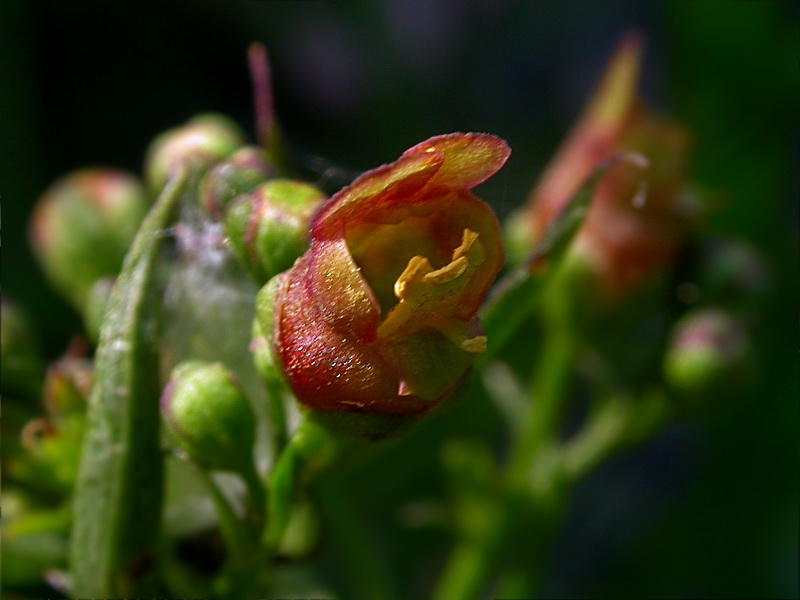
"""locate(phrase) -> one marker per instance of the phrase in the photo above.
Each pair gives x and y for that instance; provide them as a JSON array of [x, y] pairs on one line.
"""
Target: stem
[[310, 450], [262, 95], [620, 421], [277, 414], [473, 561], [367, 573], [529, 472], [257, 495], [238, 543], [548, 388]]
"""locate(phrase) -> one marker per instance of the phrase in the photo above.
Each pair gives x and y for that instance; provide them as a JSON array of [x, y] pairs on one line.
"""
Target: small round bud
[[95, 308], [269, 228], [707, 354], [209, 138], [21, 366], [731, 273], [239, 174], [210, 416], [83, 225]]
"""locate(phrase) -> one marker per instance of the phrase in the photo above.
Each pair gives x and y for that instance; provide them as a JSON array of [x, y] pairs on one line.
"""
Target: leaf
[[118, 493]]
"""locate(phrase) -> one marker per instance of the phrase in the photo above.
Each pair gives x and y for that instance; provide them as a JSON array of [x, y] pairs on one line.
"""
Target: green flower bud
[[21, 367], [82, 228], [210, 416], [707, 354], [238, 175], [731, 273], [209, 138], [269, 228], [95, 308]]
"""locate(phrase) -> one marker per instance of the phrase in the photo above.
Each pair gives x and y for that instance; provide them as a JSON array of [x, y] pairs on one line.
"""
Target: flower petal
[[326, 368], [469, 158], [376, 192], [468, 212], [334, 283]]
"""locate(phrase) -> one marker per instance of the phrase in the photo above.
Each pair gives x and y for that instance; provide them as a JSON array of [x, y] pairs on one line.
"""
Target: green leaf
[[118, 493]]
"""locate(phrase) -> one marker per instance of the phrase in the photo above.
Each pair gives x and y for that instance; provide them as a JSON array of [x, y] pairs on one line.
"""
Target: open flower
[[636, 222], [378, 317]]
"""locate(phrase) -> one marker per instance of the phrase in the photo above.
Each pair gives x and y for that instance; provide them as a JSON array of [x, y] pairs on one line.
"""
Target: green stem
[[548, 388], [529, 472], [255, 488], [618, 422], [473, 562], [311, 449], [239, 543], [367, 574], [277, 414]]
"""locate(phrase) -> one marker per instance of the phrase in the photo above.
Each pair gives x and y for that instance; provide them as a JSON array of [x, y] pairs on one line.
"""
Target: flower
[[635, 224], [378, 317]]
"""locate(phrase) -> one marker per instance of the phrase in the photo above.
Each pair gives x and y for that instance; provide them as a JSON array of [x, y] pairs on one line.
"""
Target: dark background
[[711, 508]]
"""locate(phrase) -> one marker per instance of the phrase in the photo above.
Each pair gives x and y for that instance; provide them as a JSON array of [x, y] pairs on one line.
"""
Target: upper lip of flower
[[428, 181]]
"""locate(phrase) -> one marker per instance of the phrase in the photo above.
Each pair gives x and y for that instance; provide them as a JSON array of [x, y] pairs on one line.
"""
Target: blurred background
[[711, 509]]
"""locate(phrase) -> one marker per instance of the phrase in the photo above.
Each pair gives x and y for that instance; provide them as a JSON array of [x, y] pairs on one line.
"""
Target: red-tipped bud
[[207, 138], [268, 228], [636, 222], [82, 228], [241, 173], [376, 324], [707, 354]]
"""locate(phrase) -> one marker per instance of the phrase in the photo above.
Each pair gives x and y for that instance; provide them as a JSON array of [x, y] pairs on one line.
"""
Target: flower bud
[[376, 324], [95, 308], [22, 366], [637, 220], [707, 354], [268, 228], [239, 174], [730, 273], [82, 228], [210, 416], [209, 138]]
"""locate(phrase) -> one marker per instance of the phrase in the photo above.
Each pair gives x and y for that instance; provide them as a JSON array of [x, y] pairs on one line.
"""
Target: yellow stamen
[[426, 294], [475, 345]]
